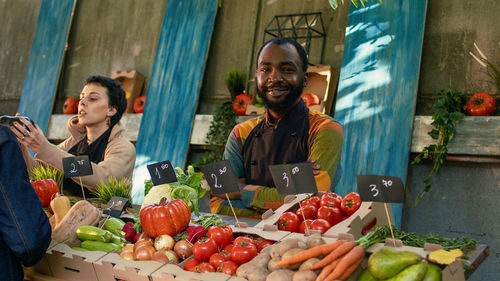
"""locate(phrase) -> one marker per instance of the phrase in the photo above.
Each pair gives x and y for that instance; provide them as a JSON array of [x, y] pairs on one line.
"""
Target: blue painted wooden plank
[[44, 65], [377, 89], [174, 86]]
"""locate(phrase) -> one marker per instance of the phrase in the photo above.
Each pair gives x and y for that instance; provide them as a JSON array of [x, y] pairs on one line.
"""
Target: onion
[[164, 242], [183, 249]]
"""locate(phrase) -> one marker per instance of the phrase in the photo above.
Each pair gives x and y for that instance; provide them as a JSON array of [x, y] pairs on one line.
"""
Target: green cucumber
[[115, 225], [100, 246], [88, 232]]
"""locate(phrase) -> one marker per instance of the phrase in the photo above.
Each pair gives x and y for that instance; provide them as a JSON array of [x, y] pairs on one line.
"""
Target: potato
[[274, 250], [306, 275], [291, 243], [244, 269], [261, 260], [271, 265], [257, 274], [314, 240], [280, 275], [289, 253], [308, 263]]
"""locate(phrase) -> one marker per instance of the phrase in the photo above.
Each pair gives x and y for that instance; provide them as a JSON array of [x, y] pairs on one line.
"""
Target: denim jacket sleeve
[[24, 226]]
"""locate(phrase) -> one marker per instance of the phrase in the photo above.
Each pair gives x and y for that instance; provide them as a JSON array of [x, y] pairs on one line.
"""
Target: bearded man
[[288, 133]]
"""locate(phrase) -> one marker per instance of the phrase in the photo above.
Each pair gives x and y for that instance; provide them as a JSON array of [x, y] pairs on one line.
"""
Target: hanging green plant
[[224, 119], [448, 112], [335, 3], [235, 82]]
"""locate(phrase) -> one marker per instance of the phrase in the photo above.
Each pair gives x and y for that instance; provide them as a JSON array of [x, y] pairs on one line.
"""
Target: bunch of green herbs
[[448, 111], [113, 187], [208, 220]]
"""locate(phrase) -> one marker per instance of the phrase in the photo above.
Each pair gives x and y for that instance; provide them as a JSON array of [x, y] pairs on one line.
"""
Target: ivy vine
[[448, 111]]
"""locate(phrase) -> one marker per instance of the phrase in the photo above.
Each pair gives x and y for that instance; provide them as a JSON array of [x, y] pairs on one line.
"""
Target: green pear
[[387, 262], [414, 272], [434, 273]]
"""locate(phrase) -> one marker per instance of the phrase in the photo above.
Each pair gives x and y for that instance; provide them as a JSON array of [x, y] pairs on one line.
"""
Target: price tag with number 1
[[162, 172]]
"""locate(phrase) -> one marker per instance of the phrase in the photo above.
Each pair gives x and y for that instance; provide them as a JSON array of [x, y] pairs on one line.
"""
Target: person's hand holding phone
[[29, 135]]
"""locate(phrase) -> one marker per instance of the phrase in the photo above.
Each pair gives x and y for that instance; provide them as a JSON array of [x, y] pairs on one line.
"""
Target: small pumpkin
[[481, 104], [166, 217], [46, 190]]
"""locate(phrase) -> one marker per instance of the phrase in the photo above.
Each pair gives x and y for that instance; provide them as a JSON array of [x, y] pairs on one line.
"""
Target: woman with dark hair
[[94, 132]]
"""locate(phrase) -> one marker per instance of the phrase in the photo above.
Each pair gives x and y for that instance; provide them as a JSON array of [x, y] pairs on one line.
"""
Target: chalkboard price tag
[[220, 177], [294, 178], [115, 206], [76, 166], [162, 172], [380, 188]]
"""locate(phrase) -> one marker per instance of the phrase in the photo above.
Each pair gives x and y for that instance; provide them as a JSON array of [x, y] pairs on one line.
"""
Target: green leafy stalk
[[447, 113], [44, 171], [114, 187]]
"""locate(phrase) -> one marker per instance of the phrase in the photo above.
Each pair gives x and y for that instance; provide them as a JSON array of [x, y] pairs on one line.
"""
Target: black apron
[[95, 151], [285, 144]]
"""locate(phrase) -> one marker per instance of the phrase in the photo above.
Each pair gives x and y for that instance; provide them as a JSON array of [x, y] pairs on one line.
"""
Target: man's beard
[[285, 104]]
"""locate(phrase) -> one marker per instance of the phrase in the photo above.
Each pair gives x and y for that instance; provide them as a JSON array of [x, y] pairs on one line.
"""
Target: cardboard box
[[111, 267], [132, 82], [172, 272], [367, 213], [322, 82], [70, 264]]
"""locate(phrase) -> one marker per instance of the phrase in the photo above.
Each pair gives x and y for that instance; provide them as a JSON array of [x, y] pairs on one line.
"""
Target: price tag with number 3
[[380, 188]]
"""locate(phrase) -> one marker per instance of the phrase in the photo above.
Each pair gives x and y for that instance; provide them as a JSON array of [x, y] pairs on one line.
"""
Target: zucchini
[[115, 225], [100, 246], [88, 232], [118, 240]]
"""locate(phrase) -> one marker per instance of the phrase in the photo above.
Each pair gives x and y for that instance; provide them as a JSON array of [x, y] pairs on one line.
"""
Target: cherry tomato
[[245, 239], [350, 203], [191, 264], [331, 199], [228, 267], [302, 226], [308, 211], [204, 248], [289, 221], [261, 243], [204, 267], [243, 252], [331, 214], [320, 225], [216, 259], [221, 235], [314, 200]]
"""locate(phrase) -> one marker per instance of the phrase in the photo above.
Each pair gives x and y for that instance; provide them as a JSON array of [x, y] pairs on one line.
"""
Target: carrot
[[350, 259], [350, 270], [310, 253], [335, 254], [327, 270]]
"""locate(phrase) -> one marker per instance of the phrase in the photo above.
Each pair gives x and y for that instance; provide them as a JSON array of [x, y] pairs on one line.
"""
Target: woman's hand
[[32, 138]]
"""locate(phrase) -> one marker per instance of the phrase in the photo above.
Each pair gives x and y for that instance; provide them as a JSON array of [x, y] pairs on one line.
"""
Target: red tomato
[[221, 235], [321, 225], [217, 259], [302, 226], [331, 199], [314, 200], [204, 267], [139, 104], [261, 243], [243, 252], [226, 253], [204, 248], [240, 103], [307, 211], [310, 99], [191, 264], [331, 214], [245, 239], [70, 106], [481, 104], [350, 203], [228, 248], [228, 267], [289, 221]]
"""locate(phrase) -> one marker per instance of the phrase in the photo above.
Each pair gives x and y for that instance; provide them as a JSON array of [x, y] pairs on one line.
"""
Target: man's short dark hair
[[116, 95], [283, 41]]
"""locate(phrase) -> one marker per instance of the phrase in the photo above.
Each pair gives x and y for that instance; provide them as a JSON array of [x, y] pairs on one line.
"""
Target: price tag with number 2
[[220, 177]]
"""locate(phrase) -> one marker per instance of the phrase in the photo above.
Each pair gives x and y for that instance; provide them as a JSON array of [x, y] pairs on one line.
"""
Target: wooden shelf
[[476, 135]]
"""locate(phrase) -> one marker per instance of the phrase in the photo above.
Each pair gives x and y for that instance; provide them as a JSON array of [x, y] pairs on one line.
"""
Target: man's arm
[[24, 226]]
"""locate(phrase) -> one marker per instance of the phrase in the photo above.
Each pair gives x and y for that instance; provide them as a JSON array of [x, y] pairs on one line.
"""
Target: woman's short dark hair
[[284, 40], [116, 95]]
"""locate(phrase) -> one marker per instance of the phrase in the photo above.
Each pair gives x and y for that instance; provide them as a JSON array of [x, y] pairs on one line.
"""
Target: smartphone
[[7, 120]]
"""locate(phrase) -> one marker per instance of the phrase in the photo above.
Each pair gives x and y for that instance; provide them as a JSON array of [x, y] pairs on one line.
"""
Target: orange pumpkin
[[46, 190], [165, 217]]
